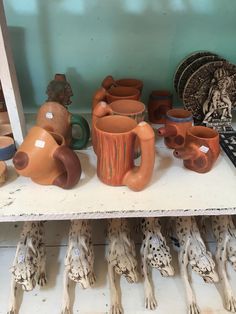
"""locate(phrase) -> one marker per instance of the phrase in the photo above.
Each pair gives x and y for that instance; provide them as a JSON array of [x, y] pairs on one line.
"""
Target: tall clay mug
[[44, 157], [115, 152], [126, 82], [54, 117], [178, 121], [201, 149], [129, 108], [158, 105]]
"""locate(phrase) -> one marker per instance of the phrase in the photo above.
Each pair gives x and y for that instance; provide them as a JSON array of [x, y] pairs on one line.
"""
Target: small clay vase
[[7, 147], [6, 130], [3, 172], [178, 121], [44, 157], [122, 92], [54, 117], [201, 149], [115, 151], [126, 82], [158, 105], [4, 118]]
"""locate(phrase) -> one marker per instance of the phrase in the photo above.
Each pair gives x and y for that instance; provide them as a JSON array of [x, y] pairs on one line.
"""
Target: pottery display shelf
[[173, 191]]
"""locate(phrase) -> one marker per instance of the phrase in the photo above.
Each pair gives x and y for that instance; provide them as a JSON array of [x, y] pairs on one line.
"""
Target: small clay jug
[[129, 108], [115, 151], [201, 149], [44, 157], [126, 82], [178, 121], [54, 117], [3, 172], [158, 105], [7, 147]]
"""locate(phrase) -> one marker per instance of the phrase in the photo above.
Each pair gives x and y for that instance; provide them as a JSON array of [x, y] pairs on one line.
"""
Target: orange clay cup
[[178, 121], [121, 93], [158, 105], [127, 82], [201, 149], [115, 152], [44, 158]]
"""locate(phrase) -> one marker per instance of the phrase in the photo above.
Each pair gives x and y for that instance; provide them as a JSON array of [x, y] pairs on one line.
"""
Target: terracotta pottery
[[5, 130], [129, 108], [121, 93], [59, 90], [115, 151], [3, 172], [2, 100], [4, 117], [7, 147], [54, 117], [201, 149], [44, 158], [99, 95], [159, 103], [178, 121], [127, 82]]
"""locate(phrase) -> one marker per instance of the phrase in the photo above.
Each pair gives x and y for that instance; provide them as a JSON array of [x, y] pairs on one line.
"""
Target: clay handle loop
[[167, 131], [138, 177], [100, 95], [72, 166], [108, 82]]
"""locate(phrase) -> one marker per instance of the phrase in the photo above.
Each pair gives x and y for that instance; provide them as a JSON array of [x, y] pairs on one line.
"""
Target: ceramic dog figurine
[[225, 234], [121, 258], [79, 260], [29, 263], [154, 253]]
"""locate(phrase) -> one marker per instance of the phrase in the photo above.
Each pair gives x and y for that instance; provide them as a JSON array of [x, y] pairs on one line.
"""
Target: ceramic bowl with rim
[[3, 172], [7, 147]]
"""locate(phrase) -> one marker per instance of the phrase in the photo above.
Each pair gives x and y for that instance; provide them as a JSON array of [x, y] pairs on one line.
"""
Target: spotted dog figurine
[[193, 251], [121, 258], [79, 260], [154, 253], [29, 262], [225, 233]]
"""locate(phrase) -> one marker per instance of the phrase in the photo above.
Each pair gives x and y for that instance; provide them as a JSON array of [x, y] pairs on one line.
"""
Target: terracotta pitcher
[[44, 158], [115, 151], [201, 149], [54, 117], [178, 121], [158, 105], [126, 82]]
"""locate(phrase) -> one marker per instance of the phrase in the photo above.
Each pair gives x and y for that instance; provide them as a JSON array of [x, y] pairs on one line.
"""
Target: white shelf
[[172, 191]]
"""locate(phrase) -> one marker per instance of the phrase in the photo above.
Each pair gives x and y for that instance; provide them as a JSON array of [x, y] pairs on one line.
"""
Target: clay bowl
[[122, 92], [3, 172], [130, 82], [7, 147], [5, 129], [4, 118]]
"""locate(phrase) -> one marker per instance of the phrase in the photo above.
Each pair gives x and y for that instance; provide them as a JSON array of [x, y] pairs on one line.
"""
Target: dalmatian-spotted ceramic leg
[[66, 296], [115, 303], [230, 301], [150, 301], [13, 295], [42, 280], [191, 299]]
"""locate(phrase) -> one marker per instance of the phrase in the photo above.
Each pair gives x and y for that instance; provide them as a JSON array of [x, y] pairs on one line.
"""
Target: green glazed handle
[[82, 122]]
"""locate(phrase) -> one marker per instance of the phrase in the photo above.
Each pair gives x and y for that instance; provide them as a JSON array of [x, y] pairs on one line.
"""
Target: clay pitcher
[[115, 152], [178, 121], [201, 149], [44, 158], [54, 117]]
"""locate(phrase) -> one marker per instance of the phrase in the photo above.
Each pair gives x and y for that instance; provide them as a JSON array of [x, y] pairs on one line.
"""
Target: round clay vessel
[[5, 129], [122, 92], [201, 149], [4, 118], [44, 157], [126, 82], [115, 151], [178, 121], [3, 172], [159, 103], [7, 147]]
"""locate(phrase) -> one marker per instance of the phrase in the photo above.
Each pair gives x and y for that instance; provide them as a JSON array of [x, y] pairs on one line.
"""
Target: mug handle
[[72, 165], [138, 177], [99, 95], [82, 122]]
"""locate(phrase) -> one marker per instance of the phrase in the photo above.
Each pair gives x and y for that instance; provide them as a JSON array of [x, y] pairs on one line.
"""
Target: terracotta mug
[[4, 117], [129, 108], [122, 92], [3, 107], [115, 151], [178, 121], [201, 149], [7, 147], [54, 117], [44, 157], [6, 130], [159, 103], [126, 82]]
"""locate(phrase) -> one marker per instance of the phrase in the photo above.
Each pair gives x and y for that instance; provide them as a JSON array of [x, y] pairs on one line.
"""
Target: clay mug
[[6, 130], [178, 121], [201, 149], [126, 82], [129, 108], [4, 117], [121, 93], [44, 157], [115, 151], [3, 172], [3, 107], [54, 117], [158, 105], [7, 147]]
